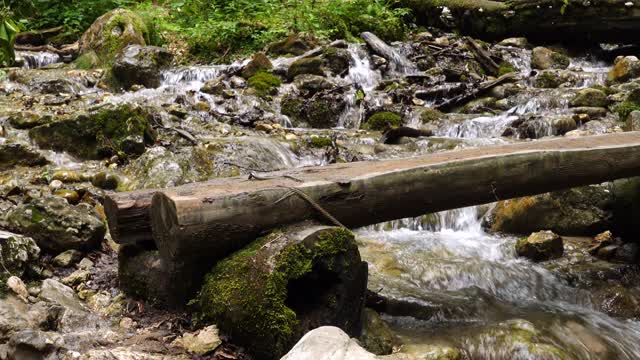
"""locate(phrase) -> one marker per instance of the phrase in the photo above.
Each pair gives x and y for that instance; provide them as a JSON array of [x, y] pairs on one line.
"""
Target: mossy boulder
[[544, 59], [590, 97], [28, 119], [57, 226], [540, 246], [312, 65], [579, 211], [12, 155], [564, 125], [376, 335], [122, 130], [295, 44], [624, 69], [337, 60], [264, 83], [17, 253], [551, 79], [269, 294], [430, 115], [259, 63], [383, 120], [112, 32], [140, 65], [322, 111]]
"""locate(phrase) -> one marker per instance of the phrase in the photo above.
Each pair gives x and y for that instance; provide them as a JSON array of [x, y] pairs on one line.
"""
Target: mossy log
[[543, 20], [269, 294]]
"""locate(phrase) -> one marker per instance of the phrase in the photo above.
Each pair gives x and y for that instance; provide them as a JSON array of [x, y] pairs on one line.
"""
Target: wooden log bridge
[[197, 224]]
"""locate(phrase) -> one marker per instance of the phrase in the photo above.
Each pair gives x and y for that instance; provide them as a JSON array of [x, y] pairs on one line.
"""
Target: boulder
[[200, 342], [564, 125], [545, 59], [17, 253], [112, 130], [540, 246], [35, 344], [624, 69], [112, 32], [267, 295], [632, 123], [12, 155], [67, 258], [619, 301], [294, 44], [590, 97], [551, 79], [321, 111], [517, 42], [337, 60], [140, 65], [74, 316], [57, 226], [260, 62], [312, 65], [376, 335], [578, 211], [16, 315], [28, 119]]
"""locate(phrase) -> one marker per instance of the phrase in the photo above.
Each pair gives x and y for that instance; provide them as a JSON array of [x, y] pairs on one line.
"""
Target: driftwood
[[394, 135], [66, 50], [399, 61], [483, 57], [473, 94], [613, 21]]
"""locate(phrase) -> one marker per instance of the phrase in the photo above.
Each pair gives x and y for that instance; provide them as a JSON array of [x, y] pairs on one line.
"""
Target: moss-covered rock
[[337, 60], [590, 97], [270, 293], [141, 273], [625, 108], [544, 59], [140, 65], [479, 106], [295, 44], [12, 155], [17, 252], [259, 63], [114, 130], [578, 211], [540, 246], [551, 79], [383, 120], [112, 32], [264, 83], [320, 142], [28, 119], [376, 335], [312, 65], [429, 115], [57, 226], [321, 112], [564, 125]]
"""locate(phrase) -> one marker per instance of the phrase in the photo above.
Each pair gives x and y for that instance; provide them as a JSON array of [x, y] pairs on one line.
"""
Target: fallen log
[[187, 223], [37, 37], [269, 294], [66, 50], [613, 21], [473, 94], [128, 214], [397, 60], [483, 57]]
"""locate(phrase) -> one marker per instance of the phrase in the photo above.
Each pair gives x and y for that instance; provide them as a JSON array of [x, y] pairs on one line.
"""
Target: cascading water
[[480, 291], [34, 60]]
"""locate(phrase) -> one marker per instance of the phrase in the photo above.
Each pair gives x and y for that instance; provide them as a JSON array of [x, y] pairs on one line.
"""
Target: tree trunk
[[218, 218], [546, 20]]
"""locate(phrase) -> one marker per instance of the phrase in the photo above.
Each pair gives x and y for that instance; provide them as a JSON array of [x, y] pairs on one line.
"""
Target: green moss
[[383, 120], [87, 61], [505, 68], [247, 301], [264, 83], [320, 142], [625, 108], [428, 115]]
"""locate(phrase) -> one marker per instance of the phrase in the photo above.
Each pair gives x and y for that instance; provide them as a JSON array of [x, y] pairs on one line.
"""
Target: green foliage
[[8, 31], [264, 83], [320, 142], [505, 68], [565, 5], [625, 108], [383, 120]]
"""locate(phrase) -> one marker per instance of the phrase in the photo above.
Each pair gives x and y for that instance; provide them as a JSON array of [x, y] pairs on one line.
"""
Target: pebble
[[85, 264], [18, 287], [55, 184]]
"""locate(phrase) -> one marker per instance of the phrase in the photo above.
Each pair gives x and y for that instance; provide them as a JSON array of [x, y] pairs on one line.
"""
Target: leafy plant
[[8, 31], [565, 5]]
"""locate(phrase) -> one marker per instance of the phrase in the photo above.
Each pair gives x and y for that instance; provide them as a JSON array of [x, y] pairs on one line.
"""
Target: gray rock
[[17, 253], [517, 42], [74, 316], [57, 226], [376, 335], [551, 79], [544, 59], [16, 315], [590, 97], [624, 69], [12, 155], [200, 342], [633, 121], [67, 258], [34, 344], [313, 66], [141, 65], [540, 246]]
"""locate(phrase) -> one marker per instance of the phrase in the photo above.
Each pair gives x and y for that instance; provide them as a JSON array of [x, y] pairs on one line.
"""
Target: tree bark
[[128, 215], [543, 20], [395, 59], [221, 217], [37, 37]]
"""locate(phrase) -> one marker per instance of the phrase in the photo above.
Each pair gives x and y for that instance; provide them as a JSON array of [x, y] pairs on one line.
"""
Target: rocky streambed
[[442, 286]]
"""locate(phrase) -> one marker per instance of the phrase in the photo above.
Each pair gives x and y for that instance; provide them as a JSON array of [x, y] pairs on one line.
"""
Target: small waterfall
[[193, 74], [34, 60], [361, 74], [481, 127], [464, 220]]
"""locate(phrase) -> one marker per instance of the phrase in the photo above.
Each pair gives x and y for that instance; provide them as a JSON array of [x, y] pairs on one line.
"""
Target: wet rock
[[18, 287], [85, 264], [213, 87], [71, 196], [590, 97], [551, 79], [112, 32], [17, 253], [16, 315], [322, 111], [313, 66], [518, 42], [624, 69], [627, 253], [258, 63], [337, 60], [439, 352], [158, 168], [382, 120], [105, 180], [34, 344], [141, 65], [632, 123], [540, 246], [601, 240], [545, 59], [67, 258], [201, 342], [592, 112], [294, 44], [618, 301], [74, 316], [28, 119], [310, 85], [376, 335], [267, 296], [76, 278], [479, 106], [57, 226], [330, 343], [67, 176], [122, 130], [12, 155], [578, 211], [564, 125]]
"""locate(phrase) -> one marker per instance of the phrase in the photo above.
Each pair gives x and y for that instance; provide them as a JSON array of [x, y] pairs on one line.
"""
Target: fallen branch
[[71, 49], [473, 94]]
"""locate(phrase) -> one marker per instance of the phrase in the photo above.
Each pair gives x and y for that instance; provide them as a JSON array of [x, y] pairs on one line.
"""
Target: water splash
[[34, 60]]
